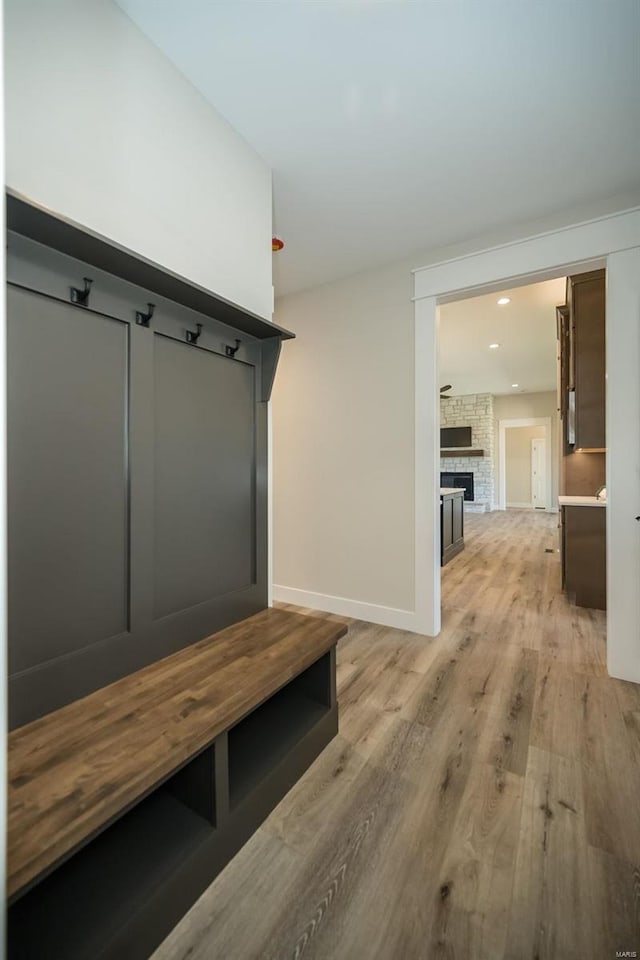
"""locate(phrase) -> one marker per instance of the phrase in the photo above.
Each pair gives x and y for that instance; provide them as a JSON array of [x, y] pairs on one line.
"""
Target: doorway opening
[[611, 242], [526, 464], [498, 410]]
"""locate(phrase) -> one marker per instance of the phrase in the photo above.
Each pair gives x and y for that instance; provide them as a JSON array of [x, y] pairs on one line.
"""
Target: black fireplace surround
[[460, 480]]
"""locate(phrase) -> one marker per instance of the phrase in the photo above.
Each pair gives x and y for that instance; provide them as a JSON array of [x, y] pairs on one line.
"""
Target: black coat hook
[[231, 351], [192, 336], [81, 297], [142, 319]]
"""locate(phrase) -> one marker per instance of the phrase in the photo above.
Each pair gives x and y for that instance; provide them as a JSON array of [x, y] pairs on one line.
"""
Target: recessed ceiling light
[[504, 300], [493, 346], [515, 384]]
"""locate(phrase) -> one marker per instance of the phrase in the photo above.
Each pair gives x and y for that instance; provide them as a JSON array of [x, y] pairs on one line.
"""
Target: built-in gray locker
[[137, 439]]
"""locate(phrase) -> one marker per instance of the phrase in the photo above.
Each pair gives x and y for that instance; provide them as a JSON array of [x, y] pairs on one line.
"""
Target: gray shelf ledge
[[53, 230]]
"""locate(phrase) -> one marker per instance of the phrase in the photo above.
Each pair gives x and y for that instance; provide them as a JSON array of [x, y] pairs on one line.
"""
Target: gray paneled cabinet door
[[67, 455], [204, 469]]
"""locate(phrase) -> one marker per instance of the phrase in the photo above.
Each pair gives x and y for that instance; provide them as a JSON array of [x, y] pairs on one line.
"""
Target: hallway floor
[[482, 799]]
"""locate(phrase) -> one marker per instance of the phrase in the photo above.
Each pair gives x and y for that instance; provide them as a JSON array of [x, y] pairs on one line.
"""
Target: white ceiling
[[525, 330], [397, 126]]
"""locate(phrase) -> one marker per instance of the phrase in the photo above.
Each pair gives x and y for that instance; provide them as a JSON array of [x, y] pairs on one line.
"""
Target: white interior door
[[538, 473]]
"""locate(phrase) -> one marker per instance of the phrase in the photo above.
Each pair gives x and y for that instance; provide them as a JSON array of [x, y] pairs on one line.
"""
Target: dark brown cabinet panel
[[586, 357], [584, 560], [451, 525]]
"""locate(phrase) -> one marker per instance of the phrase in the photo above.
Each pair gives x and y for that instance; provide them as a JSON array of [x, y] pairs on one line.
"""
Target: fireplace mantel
[[462, 453]]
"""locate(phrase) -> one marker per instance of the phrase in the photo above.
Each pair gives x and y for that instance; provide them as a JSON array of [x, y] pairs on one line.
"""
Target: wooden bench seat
[[75, 771]]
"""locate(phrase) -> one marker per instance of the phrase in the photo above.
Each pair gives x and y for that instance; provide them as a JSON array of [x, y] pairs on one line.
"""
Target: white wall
[[103, 129], [521, 406], [343, 445]]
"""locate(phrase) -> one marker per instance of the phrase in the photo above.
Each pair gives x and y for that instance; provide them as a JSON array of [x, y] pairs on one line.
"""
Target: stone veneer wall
[[475, 411]]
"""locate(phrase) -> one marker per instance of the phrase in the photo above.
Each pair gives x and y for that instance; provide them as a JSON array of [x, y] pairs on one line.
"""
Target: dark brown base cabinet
[[584, 557], [451, 525]]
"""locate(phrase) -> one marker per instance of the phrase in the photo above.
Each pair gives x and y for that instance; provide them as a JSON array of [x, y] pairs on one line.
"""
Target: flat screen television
[[455, 437]]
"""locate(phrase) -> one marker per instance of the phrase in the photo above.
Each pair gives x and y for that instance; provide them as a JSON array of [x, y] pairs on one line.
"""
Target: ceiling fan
[[443, 390]]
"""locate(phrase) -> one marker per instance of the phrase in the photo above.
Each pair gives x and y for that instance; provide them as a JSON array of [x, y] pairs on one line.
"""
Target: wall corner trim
[[345, 607]]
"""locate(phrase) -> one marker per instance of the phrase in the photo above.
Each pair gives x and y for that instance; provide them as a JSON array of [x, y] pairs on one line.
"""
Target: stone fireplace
[[475, 411]]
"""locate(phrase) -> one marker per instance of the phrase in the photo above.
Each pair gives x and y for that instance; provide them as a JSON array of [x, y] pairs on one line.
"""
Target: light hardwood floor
[[482, 799]]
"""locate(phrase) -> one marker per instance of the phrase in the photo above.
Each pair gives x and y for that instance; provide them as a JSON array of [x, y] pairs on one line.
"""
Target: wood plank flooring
[[482, 799]]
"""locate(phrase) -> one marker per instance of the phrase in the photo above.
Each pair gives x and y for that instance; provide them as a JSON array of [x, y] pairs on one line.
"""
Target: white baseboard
[[343, 607], [530, 506]]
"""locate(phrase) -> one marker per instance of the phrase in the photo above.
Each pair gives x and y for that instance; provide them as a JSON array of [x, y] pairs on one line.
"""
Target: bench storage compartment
[[118, 890], [91, 900]]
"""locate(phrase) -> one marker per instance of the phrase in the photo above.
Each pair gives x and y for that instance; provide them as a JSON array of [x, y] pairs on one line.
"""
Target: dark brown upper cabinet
[[581, 335]]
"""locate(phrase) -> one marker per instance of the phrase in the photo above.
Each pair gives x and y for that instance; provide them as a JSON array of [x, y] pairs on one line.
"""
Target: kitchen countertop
[[447, 491], [581, 502]]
